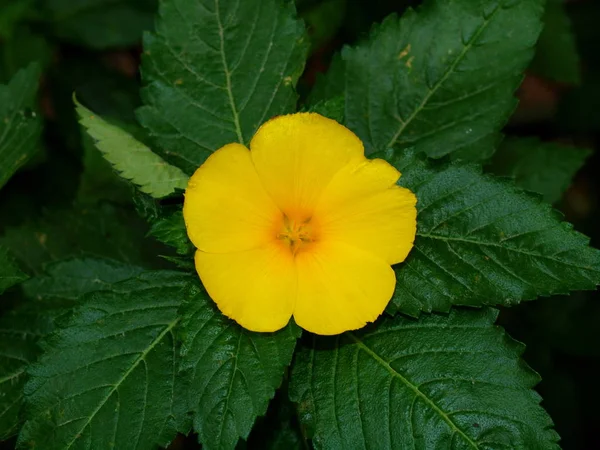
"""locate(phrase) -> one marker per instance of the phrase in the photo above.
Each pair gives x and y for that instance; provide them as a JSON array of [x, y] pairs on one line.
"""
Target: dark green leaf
[[441, 79], [360, 16], [106, 230], [556, 56], [216, 70], [20, 330], [171, 230], [480, 240], [323, 21], [17, 350], [20, 124], [107, 378], [280, 428], [99, 181], [234, 372], [21, 49], [543, 167], [11, 13], [329, 86], [584, 18], [185, 263], [132, 159], [72, 278], [452, 382], [578, 108], [100, 24], [51, 296], [146, 206], [10, 274], [332, 108]]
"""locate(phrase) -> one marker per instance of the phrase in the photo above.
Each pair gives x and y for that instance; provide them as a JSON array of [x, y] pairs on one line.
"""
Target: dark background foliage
[[67, 201]]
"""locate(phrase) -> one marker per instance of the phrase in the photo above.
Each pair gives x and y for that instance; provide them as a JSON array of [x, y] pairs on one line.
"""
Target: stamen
[[296, 234]]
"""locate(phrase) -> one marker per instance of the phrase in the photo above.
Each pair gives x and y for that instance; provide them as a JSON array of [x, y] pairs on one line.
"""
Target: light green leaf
[[234, 372], [170, 229], [543, 167], [10, 274], [441, 79], [216, 70], [107, 378], [482, 241], [51, 296], [133, 160], [451, 382], [100, 24], [556, 56], [20, 124]]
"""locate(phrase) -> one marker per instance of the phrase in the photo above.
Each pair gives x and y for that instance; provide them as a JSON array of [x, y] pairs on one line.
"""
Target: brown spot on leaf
[[404, 52]]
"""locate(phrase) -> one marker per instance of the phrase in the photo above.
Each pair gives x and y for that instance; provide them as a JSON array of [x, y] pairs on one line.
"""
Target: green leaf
[[17, 350], [234, 372], [20, 330], [216, 70], [114, 97], [323, 21], [11, 13], [331, 85], [556, 56], [279, 429], [51, 296], [543, 167], [74, 277], [440, 382], [332, 108], [482, 241], [21, 49], [132, 159], [105, 230], [171, 230], [441, 79], [108, 377], [327, 95], [100, 24], [99, 181], [20, 125], [10, 274]]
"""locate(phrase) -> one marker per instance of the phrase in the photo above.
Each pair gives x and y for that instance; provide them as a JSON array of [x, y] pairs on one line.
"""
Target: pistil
[[296, 234]]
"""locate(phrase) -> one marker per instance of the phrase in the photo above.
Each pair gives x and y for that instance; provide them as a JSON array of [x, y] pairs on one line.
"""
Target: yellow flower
[[301, 224]]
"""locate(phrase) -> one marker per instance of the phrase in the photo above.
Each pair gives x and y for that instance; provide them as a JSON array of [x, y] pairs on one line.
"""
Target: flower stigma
[[296, 234]]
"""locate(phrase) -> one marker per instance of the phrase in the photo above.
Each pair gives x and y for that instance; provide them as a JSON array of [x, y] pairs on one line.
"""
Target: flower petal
[[340, 288], [363, 207], [297, 155], [226, 208], [256, 288]]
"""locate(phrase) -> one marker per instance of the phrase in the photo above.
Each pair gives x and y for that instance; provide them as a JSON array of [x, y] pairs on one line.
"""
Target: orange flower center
[[296, 234]]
